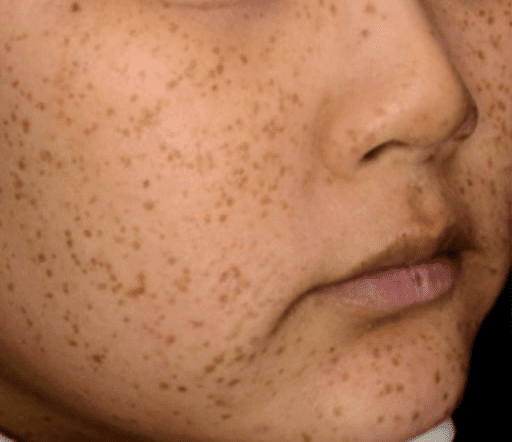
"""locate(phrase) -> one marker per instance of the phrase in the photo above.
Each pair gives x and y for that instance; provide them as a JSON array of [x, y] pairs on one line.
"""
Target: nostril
[[378, 150], [468, 126]]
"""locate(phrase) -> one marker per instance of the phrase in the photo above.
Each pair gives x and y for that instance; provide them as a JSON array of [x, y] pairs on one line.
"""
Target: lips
[[399, 287], [412, 270]]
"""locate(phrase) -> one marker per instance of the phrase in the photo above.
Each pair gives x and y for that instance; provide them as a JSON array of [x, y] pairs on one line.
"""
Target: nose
[[402, 93]]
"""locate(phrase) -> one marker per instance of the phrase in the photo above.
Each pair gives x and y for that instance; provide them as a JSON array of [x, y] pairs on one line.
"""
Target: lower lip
[[397, 288]]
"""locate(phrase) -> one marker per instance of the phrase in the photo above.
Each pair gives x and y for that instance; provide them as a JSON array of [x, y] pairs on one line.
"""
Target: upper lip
[[407, 251]]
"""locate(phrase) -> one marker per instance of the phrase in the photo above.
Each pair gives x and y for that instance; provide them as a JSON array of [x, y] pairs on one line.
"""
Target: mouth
[[389, 290], [411, 271]]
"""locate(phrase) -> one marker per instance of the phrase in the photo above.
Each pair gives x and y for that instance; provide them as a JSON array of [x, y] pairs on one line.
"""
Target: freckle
[[26, 126], [365, 33], [437, 377], [149, 205], [399, 387], [445, 396], [370, 8], [49, 273], [380, 419], [398, 418], [170, 339], [376, 352], [98, 358], [164, 386], [182, 389], [416, 416], [75, 7], [337, 411]]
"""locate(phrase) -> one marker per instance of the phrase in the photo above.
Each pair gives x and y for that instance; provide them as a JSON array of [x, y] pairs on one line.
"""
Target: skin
[[173, 179]]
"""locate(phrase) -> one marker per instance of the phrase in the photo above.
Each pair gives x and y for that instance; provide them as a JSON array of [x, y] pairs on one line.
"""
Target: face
[[176, 179]]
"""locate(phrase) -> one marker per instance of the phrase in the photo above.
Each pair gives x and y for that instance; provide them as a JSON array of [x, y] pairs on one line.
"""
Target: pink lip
[[398, 287]]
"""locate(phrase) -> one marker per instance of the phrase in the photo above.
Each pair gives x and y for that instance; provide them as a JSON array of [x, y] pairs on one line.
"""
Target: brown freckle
[[233, 382], [387, 389], [163, 386], [337, 411], [306, 437], [490, 20], [49, 295], [370, 8], [98, 358], [146, 184], [416, 416], [399, 387], [398, 418], [365, 33], [72, 343], [75, 7], [376, 352], [149, 205], [437, 377], [445, 396], [46, 156], [226, 416], [87, 233], [49, 273], [21, 163], [380, 419], [110, 112], [26, 125], [182, 389], [10, 287], [481, 54], [41, 257], [170, 339], [333, 9]]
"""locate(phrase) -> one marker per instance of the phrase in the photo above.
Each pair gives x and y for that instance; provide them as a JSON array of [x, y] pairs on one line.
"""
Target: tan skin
[[173, 178]]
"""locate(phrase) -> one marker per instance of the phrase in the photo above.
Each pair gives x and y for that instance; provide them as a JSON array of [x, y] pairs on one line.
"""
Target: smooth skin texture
[[173, 179]]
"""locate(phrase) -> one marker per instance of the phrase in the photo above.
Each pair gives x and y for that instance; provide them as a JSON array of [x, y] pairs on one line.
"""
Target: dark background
[[485, 413]]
